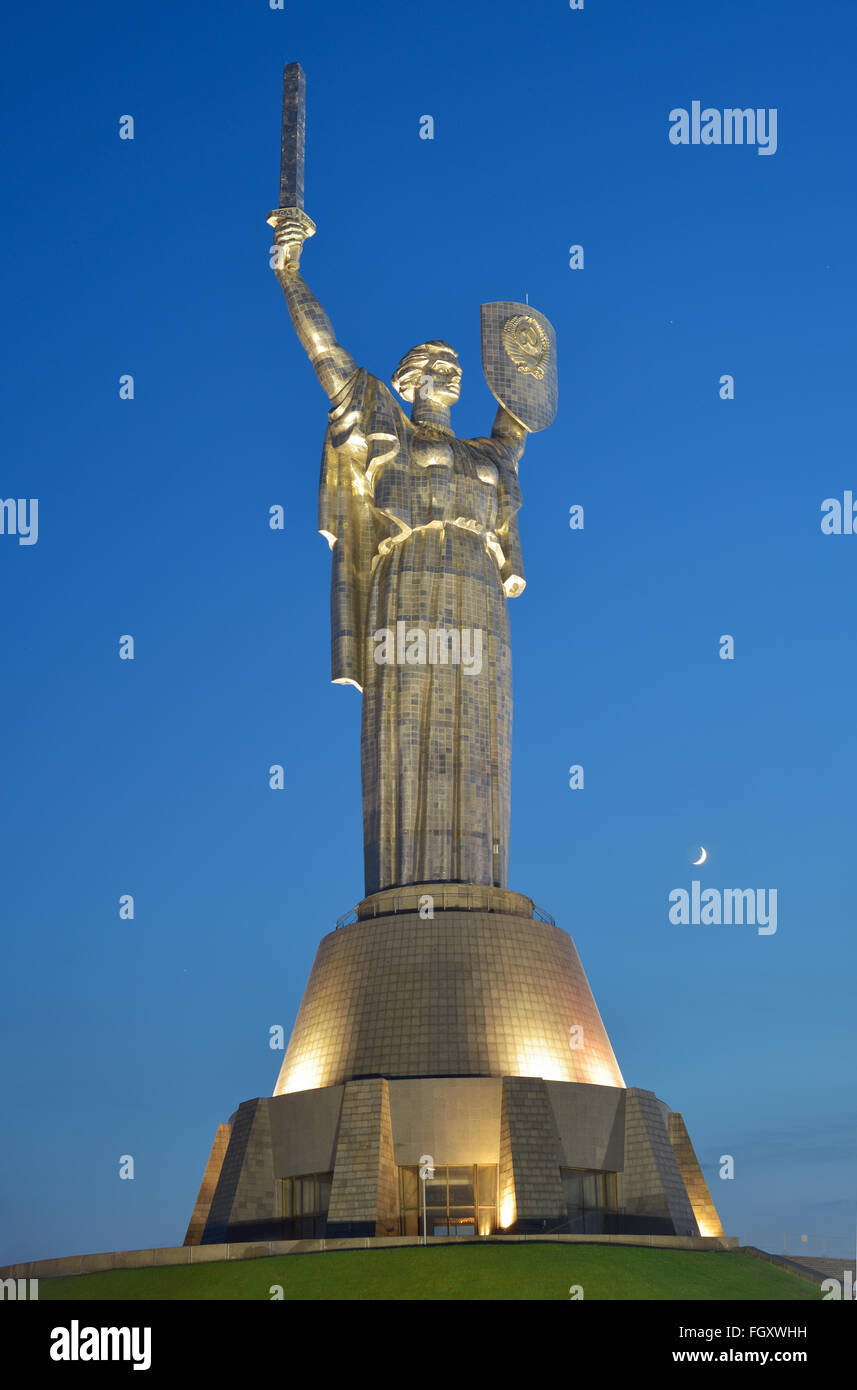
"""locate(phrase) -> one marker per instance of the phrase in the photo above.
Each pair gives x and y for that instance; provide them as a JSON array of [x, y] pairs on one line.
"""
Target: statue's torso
[[450, 480]]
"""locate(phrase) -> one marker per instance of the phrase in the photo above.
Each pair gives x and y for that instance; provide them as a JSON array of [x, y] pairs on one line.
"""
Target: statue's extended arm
[[332, 364], [507, 429]]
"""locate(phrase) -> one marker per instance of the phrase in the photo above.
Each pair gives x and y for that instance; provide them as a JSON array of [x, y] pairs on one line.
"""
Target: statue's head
[[432, 371]]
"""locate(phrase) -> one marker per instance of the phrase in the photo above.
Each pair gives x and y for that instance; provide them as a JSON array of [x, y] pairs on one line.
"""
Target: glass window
[[487, 1185], [454, 1226], [572, 1189], [410, 1189], [462, 1226], [325, 1183], [306, 1196], [487, 1220], [450, 1199], [435, 1189], [461, 1187], [590, 1191]]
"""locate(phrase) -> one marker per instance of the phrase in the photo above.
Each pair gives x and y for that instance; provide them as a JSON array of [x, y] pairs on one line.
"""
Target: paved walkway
[[824, 1268], [817, 1267]]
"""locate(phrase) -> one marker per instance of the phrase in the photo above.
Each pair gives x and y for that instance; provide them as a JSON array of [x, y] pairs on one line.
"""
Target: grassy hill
[[492, 1272]]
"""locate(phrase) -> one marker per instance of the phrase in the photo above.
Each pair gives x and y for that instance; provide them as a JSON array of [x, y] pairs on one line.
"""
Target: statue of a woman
[[423, 530]]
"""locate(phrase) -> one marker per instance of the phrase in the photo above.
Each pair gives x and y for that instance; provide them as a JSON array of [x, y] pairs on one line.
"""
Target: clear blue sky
[[702, 518]]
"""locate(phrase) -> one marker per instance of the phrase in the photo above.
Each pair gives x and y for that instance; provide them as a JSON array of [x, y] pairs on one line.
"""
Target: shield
[[519, 362]]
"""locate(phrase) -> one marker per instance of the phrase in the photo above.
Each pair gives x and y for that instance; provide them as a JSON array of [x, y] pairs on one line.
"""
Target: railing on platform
[[457, 902], [541, 916]]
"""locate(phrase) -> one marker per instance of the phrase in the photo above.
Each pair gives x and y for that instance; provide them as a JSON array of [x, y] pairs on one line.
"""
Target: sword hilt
[[295, 222]]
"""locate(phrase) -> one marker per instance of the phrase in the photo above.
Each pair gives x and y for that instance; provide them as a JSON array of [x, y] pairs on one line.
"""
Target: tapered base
[[465, 1046], [479, 993]]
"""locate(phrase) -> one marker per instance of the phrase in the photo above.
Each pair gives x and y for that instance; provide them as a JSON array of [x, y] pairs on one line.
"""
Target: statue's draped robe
[[429, 548]]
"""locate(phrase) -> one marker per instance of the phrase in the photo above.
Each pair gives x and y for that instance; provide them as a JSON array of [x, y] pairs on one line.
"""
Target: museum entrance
[[459, 1201]]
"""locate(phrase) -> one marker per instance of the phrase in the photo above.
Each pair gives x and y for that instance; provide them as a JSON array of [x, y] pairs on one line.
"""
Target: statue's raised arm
[[333, 365]]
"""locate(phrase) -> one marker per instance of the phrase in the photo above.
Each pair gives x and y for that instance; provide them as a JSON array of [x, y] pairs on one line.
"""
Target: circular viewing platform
[[444, 897]]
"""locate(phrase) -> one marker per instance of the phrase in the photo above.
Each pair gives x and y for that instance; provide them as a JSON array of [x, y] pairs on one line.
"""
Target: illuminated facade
[[448, 1054]]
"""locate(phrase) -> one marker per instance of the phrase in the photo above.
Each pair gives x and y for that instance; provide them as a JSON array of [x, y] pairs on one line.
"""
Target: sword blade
[[294, 137]]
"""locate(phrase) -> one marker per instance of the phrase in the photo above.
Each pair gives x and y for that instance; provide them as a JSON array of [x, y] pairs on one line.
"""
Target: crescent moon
[[703, 855]]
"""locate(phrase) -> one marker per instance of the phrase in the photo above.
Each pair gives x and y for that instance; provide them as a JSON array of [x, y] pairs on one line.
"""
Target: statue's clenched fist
[[291, 229]]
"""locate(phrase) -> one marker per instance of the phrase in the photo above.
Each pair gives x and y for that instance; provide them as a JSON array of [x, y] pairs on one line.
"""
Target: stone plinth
[[364, 1134], [465, 1030]]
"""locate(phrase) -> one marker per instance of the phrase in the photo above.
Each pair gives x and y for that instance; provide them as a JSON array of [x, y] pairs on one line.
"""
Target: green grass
[[489, 1272]]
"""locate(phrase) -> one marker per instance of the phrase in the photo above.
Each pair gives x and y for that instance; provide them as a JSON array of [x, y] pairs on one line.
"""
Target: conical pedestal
[[461, 994], [449, 1030]]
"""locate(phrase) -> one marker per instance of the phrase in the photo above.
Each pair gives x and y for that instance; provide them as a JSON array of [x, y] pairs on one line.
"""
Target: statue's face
[[444, 373]]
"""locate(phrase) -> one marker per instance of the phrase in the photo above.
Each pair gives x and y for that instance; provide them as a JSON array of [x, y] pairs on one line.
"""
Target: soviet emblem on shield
[[527, 345], [519, 362]]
